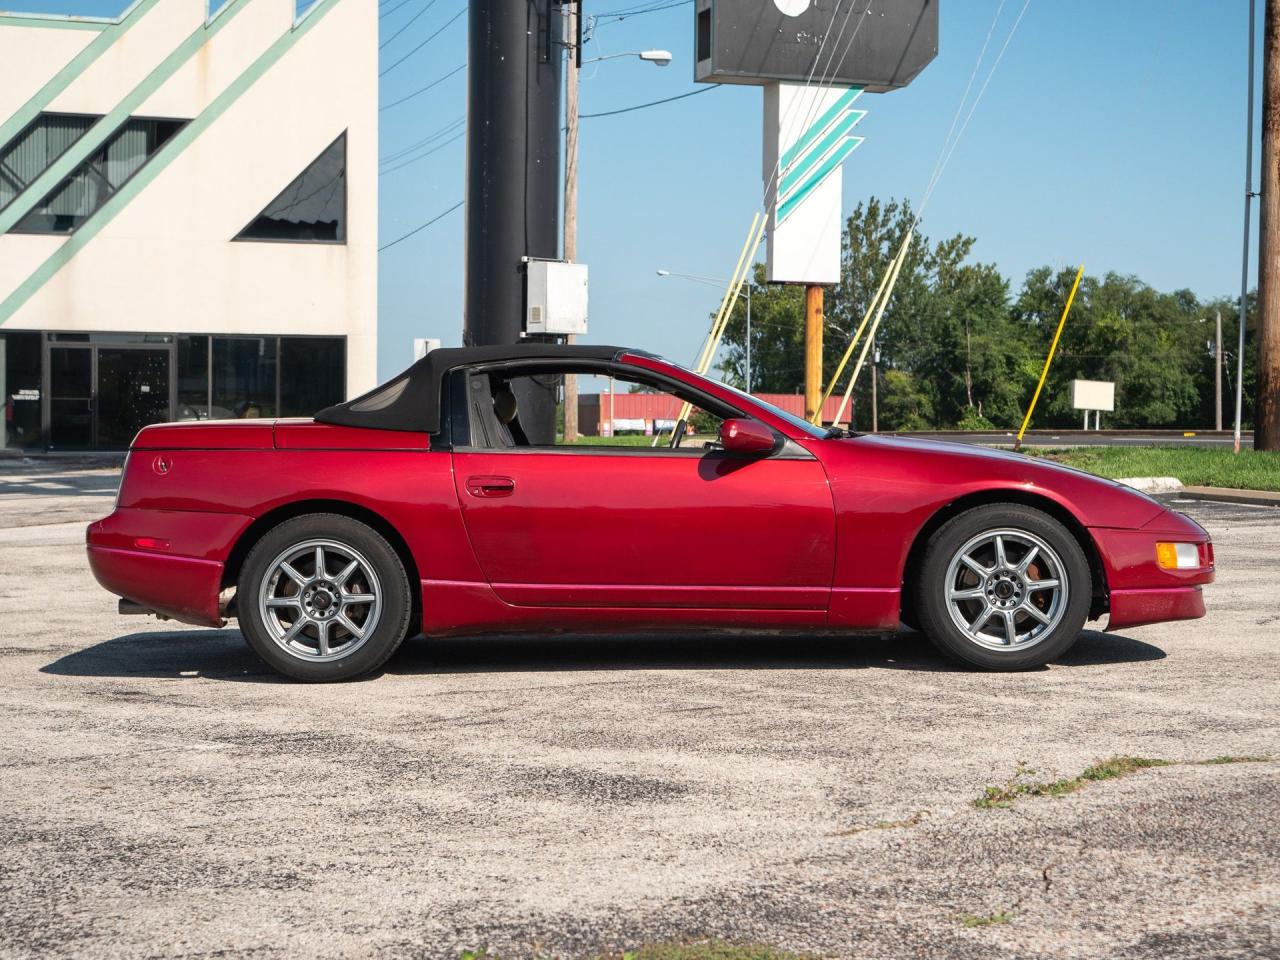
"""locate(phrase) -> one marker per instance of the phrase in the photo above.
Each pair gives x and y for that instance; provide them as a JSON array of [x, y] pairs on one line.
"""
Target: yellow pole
[[853, 344], [745, 260], [875, 325], [1044, 374]]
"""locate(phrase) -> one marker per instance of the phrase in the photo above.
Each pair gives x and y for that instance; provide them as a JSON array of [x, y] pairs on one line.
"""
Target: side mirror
[[748, 438]]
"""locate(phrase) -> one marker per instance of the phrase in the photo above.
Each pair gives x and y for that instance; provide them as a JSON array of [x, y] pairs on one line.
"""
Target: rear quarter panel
[[412, 489]]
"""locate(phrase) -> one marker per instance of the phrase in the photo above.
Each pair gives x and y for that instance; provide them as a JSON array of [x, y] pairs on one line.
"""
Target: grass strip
[[1194, 466]]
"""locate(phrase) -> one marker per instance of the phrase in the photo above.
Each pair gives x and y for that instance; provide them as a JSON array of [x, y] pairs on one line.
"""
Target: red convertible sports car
[[426, 506]]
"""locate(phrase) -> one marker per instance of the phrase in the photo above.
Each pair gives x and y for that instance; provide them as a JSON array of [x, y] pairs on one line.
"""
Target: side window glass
[[611, 413]]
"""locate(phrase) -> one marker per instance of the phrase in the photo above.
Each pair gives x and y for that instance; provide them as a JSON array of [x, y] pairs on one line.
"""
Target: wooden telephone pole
[[1266, 427], [812, 352]]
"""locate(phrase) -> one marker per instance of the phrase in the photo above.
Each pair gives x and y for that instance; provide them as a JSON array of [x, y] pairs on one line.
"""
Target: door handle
[[488, 487]]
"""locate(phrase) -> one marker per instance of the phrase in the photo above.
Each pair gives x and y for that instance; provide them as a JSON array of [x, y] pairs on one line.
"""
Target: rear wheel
[[323, 597], [1003, 587]]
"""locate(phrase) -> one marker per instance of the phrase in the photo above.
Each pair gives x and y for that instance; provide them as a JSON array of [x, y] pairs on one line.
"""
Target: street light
[[714, 282], [658, 58]]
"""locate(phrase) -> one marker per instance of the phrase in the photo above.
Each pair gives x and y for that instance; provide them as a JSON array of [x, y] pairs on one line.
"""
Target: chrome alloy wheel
[[1006, 589], [320, 600]]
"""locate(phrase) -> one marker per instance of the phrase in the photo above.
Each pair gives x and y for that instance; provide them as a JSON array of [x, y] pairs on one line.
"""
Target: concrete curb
[[1153, 484], [1258, 498]]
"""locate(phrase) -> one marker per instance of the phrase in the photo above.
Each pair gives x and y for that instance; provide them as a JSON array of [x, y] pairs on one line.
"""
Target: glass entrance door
[[133, 391], [101, 394], [70, 397]]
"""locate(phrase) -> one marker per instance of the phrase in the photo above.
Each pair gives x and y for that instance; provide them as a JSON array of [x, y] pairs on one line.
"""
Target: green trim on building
[[110, 33], [50, 21], [101, 132], [171, 150]]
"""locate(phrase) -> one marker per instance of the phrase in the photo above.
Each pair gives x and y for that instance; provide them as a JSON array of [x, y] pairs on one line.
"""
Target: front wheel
[[1003, 587], [323, 597]]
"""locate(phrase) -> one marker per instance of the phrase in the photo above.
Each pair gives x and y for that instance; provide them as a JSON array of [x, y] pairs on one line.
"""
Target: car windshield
[[799, 423]]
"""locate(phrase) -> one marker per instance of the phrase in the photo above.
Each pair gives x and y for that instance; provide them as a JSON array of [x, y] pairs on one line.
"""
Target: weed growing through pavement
[[1021, 783]]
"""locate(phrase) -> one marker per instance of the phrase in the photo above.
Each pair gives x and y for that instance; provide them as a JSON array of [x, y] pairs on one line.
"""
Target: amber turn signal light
[[1177, 556]]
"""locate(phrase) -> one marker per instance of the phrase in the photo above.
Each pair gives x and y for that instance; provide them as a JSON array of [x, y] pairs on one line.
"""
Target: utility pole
[[513, 175], [574, 32], [813, 351], [1217, 376], [1266, 410], [1248, 207]]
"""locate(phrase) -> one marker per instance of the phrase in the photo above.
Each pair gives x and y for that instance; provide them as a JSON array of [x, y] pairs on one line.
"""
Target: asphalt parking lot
[[164, 795]]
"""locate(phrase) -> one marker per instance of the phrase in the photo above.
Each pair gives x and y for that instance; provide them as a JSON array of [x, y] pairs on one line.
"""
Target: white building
[[188, 215]]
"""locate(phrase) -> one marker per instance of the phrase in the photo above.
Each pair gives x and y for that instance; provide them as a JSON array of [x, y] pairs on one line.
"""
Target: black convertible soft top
[[411, 401]]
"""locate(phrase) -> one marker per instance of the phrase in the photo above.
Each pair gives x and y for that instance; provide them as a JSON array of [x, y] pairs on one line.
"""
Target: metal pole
[[1244, 257], [748, 336], [1266, 407], [513, 176], [875, 376], [1217, 376], [571, 194]]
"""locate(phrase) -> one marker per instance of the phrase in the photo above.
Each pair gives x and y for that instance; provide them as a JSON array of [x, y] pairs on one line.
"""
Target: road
[[1095, 438], [165, 795]]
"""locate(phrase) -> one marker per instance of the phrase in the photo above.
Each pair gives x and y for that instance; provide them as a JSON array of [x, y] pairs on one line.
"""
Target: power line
[[384, 15], [423, 43], [430, 138], [457, 136], [651, 103], [407, 24], [640, 11], [421, 227], [396, 103]]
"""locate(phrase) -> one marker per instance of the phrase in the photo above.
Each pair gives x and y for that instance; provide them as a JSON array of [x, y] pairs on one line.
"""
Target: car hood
[[963, 468]]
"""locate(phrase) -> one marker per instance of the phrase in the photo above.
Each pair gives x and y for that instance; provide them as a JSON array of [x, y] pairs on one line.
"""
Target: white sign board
[[807, 136], [1093, 395]]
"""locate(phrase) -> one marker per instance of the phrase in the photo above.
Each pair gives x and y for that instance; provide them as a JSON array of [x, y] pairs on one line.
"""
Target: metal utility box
[[1093, 395], [555, 297], [879, 46]]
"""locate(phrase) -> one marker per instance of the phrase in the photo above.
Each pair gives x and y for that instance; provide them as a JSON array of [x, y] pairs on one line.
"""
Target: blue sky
[[1112, 132]]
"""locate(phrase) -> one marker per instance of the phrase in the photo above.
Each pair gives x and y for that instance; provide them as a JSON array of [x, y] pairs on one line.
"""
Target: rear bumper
[[1132, 608], [167, 561], [181, 588]]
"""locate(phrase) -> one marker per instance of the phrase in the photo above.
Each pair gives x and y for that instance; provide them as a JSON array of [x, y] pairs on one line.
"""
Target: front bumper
[[1140, 590], [1133, 608]]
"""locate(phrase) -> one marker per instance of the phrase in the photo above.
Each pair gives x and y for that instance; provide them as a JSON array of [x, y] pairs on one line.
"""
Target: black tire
[[932, 584], [385, 579]]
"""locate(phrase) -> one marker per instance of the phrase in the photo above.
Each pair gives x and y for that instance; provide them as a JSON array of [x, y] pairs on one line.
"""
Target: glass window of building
[[20, 388], [31, 152], [313, 208], [193, 379], [93, 183], [244, 378], [313, 374]]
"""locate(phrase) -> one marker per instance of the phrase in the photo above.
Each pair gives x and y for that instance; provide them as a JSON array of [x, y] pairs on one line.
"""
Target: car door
[[583, 526]]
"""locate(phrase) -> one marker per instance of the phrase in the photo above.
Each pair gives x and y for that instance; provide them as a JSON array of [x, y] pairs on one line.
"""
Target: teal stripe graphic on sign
[[815, 156], [823, 172], [101, 131], [817, 153], [170, 151], [110, 33], [824, 121]]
